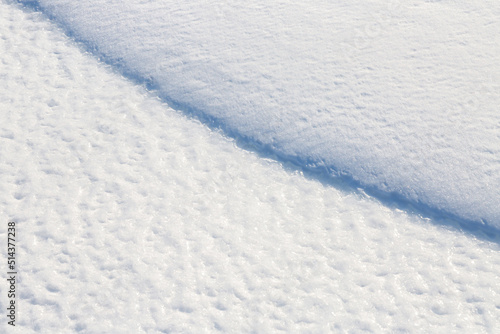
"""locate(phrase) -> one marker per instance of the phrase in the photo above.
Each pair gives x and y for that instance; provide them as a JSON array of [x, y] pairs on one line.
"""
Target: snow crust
[[400, 97], [133, 218]]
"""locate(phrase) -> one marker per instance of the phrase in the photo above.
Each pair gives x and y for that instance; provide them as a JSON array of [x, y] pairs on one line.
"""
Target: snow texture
[[399, 97], [133, 218]]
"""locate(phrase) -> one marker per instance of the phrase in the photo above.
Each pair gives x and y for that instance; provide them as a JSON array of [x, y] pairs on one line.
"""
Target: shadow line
[[314, 170]]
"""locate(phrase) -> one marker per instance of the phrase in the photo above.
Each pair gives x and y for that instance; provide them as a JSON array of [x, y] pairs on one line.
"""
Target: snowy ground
[[401, 96], [134, 218]]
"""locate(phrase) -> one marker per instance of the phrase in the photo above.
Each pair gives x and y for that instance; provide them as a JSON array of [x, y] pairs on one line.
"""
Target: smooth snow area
[[401, 97], [133, 218]]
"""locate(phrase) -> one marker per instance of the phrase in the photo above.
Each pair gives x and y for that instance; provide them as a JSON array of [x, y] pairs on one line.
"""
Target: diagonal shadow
[[328, 176]]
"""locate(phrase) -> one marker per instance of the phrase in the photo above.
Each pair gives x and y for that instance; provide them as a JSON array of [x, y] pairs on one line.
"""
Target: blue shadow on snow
[[328, 176]]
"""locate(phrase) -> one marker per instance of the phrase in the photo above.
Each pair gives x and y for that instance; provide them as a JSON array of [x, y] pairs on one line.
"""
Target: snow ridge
[[398, 103]]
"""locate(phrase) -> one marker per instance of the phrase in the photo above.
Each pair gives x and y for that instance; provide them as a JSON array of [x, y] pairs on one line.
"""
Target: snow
[[134, 217], [400, 98]]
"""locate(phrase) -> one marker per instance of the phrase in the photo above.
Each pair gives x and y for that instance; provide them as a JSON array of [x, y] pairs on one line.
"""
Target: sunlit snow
[[401, 97], [136, 217]]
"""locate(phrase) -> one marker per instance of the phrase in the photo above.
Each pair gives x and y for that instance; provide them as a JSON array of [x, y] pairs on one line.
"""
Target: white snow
[[135, 218], [401, 96]]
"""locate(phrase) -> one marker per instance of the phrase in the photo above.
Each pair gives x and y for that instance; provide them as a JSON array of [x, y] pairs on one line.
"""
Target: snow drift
[[402, 97]]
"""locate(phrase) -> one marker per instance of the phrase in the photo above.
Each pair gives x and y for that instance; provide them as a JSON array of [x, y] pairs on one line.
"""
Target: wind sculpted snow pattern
[[133, 218], [400, 97]]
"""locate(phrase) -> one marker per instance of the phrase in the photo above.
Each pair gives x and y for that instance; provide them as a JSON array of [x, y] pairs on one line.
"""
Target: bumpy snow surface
[[133, 217], [401, 97]]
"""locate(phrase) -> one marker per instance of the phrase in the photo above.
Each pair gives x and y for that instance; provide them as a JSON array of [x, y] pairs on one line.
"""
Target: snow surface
[[400, 97], [134, 218]]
